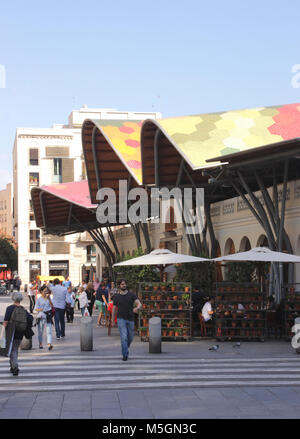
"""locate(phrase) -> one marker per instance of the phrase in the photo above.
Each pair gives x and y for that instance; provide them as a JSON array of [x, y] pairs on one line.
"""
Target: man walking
[[59, 302], [17, 321], [127, 304], [70, 303]]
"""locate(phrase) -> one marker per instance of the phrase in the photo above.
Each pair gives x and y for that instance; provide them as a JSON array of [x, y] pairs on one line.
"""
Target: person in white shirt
[[31, 295], [44, 307], [207, 311], [83, 300]]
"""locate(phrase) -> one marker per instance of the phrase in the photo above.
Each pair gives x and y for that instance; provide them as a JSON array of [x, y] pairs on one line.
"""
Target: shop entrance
[[59, 268], [34, 270]]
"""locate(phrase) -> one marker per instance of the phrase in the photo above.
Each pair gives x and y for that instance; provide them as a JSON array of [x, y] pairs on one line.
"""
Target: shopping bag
[[86, 313], [2, 338]]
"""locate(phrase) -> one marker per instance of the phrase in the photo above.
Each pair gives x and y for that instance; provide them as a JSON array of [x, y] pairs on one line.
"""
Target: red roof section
[[74, 192]]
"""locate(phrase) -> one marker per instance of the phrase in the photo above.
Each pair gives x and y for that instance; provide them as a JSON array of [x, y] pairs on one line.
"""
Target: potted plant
[[177, 332], [173, 287], [180, 305], [175, 297], [187, 288], [169, 305], [171, 333], [163, 287], [186, 298], [164, 333]]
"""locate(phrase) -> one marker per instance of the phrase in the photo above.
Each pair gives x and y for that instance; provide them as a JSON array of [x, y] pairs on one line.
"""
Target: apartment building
[[46, 156], [6, 211]]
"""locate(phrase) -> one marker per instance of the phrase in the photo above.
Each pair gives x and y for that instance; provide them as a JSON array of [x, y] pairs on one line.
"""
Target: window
[[33, 156], [57, 165], [91, 253], [34, 237], [33, 178]]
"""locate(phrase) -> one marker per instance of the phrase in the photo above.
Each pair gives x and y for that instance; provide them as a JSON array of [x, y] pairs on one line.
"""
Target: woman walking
[[102, 299], [83, 300], [44, 307]]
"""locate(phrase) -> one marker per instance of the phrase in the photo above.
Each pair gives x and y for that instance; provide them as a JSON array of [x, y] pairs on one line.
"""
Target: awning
[[112, 152], [63, 207], [201, 137]]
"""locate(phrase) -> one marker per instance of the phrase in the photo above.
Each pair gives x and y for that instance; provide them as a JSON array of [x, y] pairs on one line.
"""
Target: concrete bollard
[[155, 335], [86, 334], [26, 344]]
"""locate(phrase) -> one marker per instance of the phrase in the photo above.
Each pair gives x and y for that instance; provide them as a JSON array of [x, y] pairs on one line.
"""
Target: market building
[[194, 151], [47, 156]]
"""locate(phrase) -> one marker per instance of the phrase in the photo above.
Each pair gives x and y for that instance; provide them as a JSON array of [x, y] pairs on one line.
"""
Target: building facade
[[46, 156], [6, 224], [235, 227]]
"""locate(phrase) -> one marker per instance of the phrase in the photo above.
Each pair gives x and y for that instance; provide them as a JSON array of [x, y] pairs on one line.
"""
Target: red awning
[[75, 192]]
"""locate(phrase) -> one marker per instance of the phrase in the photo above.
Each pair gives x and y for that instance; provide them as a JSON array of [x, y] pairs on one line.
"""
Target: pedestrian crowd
[[53, 302]]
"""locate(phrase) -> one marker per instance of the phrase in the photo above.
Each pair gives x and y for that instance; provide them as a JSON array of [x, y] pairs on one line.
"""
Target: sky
[[175, 57]]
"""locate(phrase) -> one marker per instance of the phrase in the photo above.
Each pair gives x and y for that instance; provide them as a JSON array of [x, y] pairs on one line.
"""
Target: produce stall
[[240, 311], [172, 303]]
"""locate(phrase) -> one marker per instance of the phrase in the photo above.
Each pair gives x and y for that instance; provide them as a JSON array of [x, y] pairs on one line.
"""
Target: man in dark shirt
[[14, 334], [127, 304]]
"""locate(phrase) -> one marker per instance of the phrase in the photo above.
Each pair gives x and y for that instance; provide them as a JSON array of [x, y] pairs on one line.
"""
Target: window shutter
[[67, 170], [34, 154]]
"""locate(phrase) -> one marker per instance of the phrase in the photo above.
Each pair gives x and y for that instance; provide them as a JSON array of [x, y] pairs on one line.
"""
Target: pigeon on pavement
[[214, 348], [237, 345]]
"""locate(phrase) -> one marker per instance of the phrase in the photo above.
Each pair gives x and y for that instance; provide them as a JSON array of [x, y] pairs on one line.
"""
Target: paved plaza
[[255, 380]]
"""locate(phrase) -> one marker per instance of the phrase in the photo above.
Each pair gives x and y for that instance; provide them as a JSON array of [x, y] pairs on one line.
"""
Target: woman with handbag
[[44, 307]]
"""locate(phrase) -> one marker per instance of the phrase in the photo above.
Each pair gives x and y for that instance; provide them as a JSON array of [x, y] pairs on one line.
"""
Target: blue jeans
[[41, 326], [59, 319], [126, 329]]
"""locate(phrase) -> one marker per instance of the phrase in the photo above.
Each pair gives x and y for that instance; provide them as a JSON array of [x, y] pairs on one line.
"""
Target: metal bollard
[[26, 344], [86, 334], [155, 335]]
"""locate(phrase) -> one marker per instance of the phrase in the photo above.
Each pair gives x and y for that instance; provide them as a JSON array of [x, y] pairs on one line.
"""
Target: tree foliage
[[133, 274], [8, 253], [241, 272], [200, 274]]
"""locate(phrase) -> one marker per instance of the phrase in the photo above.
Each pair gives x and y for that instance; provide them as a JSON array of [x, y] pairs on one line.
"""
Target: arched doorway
[[262, 241], [229, 248], [245, 244]]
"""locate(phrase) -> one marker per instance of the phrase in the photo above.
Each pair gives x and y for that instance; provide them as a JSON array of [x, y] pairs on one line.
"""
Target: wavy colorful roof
[[124, 136], [201, 137]]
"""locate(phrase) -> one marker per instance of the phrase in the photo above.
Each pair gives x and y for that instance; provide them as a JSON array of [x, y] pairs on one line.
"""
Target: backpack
[[19, 318]]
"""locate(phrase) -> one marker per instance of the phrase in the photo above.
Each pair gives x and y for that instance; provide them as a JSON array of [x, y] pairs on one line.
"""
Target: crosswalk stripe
[[158, 359], [150, 385], [55, 372], [60, 365], [150, 377], [136, 370]]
